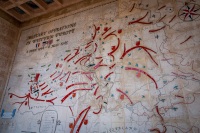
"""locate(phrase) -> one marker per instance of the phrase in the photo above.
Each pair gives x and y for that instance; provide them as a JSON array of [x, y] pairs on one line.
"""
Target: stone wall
[[125, 66], [8, 43]]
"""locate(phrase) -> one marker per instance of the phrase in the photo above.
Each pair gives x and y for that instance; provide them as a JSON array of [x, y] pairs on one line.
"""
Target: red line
[[162, 18], [157, 110], [51, 100], [35, 99], [112, 66], [186, 39], [76, 53], [151, 57], [16, 95], [194, 14], [71, 110], [58, 75], [27, 97], [155, 30], [41, 84], [138, 20], [95, 92], [53, 74], [87, 72], [172, 19], [82, 58], [102, 65], [98, 111], [21, 103], [145, 22], [110, 54], [99, 97], [116, 47], [44, 87], [47, 92], [89, 77], [31, 88], [95, 32], [63, 76], [95, 67], [125, 95], [75, 72], [158, 130], [67, 77], [108, 75], [37, 77], [71, 93], [66, 57], [186, 15], [136, 69], [79, 127], [185, 102], [155, 130], [106, 31], [98, 57], [127, 51], [99, 64], [165, 129], [88, 44], [85, 61], [110, 34], [93, 84], [95, 48], [132, 8], [179, 96], [72, 57], [82, 83], [77, 119], [162, 7]]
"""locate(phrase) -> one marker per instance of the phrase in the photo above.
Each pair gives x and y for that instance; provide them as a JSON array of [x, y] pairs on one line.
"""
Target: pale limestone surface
[[8, 43], [120, 66]]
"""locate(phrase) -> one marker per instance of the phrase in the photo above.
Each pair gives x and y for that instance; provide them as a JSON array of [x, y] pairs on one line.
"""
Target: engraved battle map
[[126, 66]]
